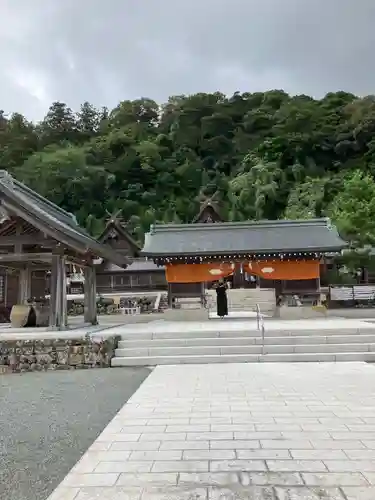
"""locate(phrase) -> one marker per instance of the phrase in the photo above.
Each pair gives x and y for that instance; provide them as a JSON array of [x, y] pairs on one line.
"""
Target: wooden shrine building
[[37, 237], [140, 275], [209, 212], [275, 251]]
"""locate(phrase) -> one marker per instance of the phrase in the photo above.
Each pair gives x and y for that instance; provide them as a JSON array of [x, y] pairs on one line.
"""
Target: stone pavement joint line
[[237, 431]]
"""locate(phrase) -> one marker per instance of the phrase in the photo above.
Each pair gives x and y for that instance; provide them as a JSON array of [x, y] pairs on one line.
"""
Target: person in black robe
[[221, 299]]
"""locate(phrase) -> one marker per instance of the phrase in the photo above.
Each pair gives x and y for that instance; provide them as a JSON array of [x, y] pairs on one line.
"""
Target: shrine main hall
[[275, 252]]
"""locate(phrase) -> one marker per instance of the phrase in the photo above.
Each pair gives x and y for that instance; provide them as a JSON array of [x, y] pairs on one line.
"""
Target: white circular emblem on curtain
[[215, 272], [267, 270]]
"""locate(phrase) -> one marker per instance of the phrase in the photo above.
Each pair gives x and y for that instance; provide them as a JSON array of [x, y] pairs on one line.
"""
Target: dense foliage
[[265, 155]]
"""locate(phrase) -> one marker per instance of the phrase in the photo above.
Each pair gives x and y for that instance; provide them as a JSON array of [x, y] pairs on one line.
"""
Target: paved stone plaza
[[237, 431]]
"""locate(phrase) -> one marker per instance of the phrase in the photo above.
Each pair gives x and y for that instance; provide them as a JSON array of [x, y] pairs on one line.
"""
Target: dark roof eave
[[132, 271], [108, 254], [171, 227], [72, 239], [243, 252]]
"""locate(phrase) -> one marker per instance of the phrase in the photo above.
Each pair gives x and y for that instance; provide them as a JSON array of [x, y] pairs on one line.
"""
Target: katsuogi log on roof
[[242, 238]]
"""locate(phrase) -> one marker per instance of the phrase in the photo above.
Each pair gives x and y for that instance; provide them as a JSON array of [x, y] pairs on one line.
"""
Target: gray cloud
[[107, 50]]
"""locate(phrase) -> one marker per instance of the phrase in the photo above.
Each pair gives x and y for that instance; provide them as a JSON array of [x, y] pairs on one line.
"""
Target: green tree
[[306, 200], [63, 176], [353, 209], [18, 140], [88, 121], [59, 125], [264, 154], [252, 192]]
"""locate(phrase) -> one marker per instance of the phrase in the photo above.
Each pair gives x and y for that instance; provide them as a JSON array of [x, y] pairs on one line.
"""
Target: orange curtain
[[284, 270], [197, 273]]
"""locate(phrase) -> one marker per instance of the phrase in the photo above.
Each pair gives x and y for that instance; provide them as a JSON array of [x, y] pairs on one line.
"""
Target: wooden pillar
[[63, 292], [58, 317], [318, 285], [239, 277], [24, 285], [90, 295], [203, 294], [6, 289], [365, 275], [170, 296]]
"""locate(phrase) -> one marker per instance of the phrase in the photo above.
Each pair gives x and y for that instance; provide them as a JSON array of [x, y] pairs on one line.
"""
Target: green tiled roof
[[316, 235]]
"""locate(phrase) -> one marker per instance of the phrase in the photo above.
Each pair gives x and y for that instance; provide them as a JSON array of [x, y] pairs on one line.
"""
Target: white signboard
[[356, 292]]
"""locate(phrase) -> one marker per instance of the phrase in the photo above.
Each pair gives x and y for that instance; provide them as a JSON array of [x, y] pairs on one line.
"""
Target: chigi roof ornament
[[329, 223], [4, 216], [6, 178]]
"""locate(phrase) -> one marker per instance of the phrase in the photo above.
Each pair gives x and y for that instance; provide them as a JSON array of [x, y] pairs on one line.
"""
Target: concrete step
[[254, 300], [187, 351], [241, 349], [252, 332], [243, 358], [247, 341], [238, 314]]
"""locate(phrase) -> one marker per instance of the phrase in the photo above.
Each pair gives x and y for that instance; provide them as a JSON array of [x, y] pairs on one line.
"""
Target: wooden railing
[[260, 325]]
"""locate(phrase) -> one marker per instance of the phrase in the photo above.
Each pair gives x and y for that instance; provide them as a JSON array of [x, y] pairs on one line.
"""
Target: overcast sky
[[105, 51]]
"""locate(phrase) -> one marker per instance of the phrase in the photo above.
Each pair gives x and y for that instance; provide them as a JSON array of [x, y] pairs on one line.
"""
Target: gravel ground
[[48, 420]]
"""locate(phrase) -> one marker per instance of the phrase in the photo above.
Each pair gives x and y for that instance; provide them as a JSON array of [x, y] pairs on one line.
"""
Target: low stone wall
[[56, 354]]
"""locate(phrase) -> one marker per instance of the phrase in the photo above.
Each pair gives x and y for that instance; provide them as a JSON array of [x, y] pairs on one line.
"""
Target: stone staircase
[[246, 299], [241, 344], [163, 302]]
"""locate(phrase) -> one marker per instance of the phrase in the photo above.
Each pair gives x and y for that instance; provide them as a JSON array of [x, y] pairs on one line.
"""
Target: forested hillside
[[267, 155]]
